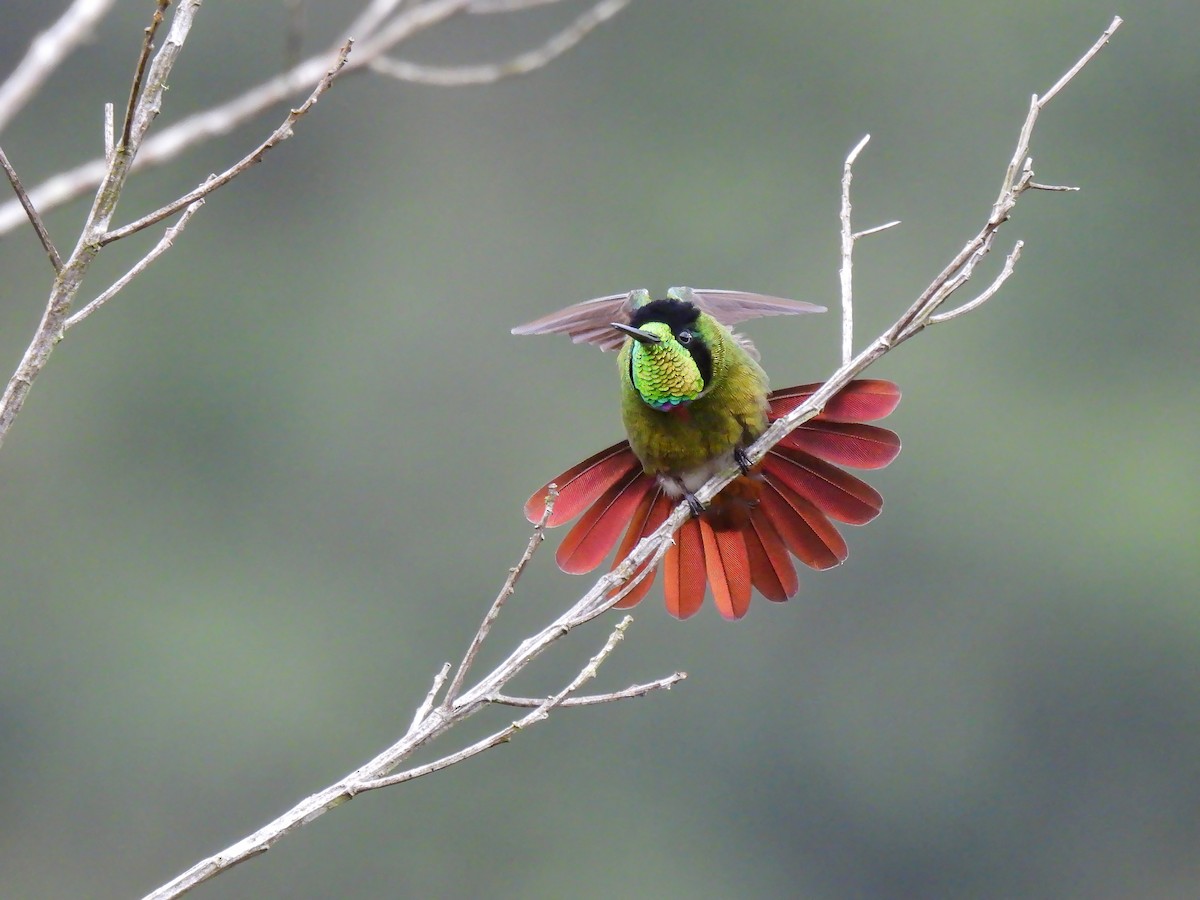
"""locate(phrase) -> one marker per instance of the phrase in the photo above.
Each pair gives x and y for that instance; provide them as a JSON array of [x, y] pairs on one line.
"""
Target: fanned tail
[[746, 539]]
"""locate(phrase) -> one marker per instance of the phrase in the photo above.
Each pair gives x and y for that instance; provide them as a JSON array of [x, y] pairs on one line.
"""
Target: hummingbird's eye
[[685, 337]]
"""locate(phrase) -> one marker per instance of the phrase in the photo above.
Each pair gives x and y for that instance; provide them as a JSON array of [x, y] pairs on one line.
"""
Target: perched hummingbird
[[693, 398]]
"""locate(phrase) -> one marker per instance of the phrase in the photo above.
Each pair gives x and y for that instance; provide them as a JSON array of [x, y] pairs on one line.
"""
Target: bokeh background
[[254, 504]]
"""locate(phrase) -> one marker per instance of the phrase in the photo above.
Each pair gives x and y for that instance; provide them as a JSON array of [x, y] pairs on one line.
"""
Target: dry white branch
[[439, 681], [510, 585], [849, 238], [164, 244], [382, 26], [144, 105], [31, 212], [46, 53], [522, 64], [539, 714], [255, 156], [1010, 263], [429, 723], [634, 690], [67, 284]]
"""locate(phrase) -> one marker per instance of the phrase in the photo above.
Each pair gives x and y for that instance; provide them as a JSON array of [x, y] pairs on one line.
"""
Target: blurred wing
[[589, 322], [731, 307]]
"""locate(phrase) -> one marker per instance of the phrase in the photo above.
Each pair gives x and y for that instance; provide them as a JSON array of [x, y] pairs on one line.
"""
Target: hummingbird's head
[[670, 353]]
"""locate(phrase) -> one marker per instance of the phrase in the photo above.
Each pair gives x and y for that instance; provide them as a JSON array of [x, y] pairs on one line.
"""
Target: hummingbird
[[693, 398]]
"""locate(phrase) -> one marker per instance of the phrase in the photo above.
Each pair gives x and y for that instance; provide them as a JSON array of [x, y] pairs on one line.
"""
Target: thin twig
[[540, 713], [522, 64], [636, 690], [1010, 263], [46, 52], [846, 273], [377, 34], [164, 244], [1036, 104], [31, 211], [139, 72], [1035, 186], [278, 136], [867, 232], [439, 680], [67, 284], [510, 585], [849, 238]]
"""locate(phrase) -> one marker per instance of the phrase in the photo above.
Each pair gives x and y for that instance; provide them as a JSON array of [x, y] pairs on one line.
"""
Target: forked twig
[[164, 244], [539, 714]]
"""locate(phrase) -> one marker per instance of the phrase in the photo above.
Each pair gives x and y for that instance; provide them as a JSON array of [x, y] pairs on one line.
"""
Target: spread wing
[[590, 322], [731, 307]]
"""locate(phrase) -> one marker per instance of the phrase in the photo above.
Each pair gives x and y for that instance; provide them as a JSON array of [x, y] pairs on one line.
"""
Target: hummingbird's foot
[[742, 460], [693, 504]]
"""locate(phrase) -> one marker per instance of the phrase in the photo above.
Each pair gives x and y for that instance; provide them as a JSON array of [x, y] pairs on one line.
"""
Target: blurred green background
[[254, 504]]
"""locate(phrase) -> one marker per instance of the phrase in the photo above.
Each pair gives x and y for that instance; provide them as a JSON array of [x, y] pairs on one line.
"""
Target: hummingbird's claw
[[742, 460], [694, 505]]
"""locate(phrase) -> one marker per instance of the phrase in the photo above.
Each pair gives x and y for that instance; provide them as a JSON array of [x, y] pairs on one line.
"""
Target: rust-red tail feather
[[748, 536]]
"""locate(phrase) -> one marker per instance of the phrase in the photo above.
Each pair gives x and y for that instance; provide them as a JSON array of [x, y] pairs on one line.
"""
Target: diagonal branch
[[31, 211], [251, 159], [539, 714], [510, 585], [522, 64], [139, 72], [67, 284], [164, 244], [378, 30], [635, 690]]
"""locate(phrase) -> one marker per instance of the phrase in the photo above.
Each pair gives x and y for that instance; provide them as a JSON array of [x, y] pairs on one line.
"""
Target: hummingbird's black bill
[[643, 337]]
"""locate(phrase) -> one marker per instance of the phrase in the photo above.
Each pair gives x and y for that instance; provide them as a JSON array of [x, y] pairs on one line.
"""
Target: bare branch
[[636, 690], [867, 232], [439, 681], [510, 585], [278, 136], [164, 244], [1035, 186], [69, 280], [1036, 105], [376, 34], [539, 714], [46, 53], [456, 76], [1083, 61], [139, 72], [849, 238], [846, 277], [1009, 263], [31, 211]]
